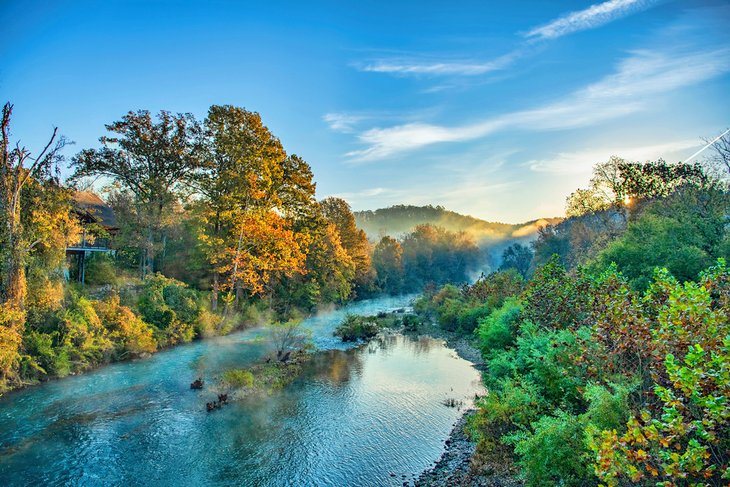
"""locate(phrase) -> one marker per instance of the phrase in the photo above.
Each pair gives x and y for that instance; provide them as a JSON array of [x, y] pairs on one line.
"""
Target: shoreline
[[453, 468]]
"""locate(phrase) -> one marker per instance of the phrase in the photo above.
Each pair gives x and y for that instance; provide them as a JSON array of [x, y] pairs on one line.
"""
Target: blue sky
[[493, 109]]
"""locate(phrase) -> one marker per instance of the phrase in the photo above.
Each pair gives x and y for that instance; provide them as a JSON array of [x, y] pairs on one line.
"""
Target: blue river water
[[369, 415]]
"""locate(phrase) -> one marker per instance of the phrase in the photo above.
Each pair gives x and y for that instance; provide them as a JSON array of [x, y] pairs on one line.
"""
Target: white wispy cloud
[[582, 161], [590, 18], [642, 75], [430, 67], [342, 122]]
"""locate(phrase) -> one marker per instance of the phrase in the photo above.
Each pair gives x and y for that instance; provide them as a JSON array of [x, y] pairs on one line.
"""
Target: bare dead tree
[[17, 167], [720, 155]]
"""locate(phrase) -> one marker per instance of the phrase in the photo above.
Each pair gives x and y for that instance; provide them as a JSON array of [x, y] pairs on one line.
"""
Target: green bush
[[357, 328], [237, 378], [498, 330], [82, 333], [555, 453], [608, 410], [470, 317], [100, 270], [45, 358], [172, 307], [130, 334], [410, 322]]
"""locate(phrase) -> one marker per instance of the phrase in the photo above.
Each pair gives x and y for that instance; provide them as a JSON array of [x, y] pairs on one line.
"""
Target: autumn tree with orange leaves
[[252, 195]]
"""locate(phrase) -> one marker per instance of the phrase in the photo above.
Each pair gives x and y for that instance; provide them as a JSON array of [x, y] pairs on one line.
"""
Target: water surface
[[354, 417]]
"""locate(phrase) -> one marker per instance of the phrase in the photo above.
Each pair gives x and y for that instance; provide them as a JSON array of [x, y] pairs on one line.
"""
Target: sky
[[496, 109]]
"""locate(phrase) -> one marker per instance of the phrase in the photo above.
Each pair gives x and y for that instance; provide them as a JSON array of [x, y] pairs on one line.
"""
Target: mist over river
[[354, 417]]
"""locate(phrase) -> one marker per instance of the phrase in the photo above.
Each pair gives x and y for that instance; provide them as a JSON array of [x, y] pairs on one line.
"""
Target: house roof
[[89, 205]]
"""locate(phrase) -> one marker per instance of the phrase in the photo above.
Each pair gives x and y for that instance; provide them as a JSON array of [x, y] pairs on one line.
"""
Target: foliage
[[10, 341], [388, 264], [518, 257], [552, 298], [171, 307], [553, 451], [434, 255], [288, 336], [683, 233], [686, 441], [238, 378], [151, 160], [498, 330], [252, 193], [131, 335], [100, 269], [355, 328], [354, 241]]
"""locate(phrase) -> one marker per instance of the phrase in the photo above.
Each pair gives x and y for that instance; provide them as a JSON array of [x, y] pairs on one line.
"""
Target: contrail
[[708, 145]]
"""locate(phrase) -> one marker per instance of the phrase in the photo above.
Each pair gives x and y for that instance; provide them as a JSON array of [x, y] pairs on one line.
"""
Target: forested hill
[[401, 219]]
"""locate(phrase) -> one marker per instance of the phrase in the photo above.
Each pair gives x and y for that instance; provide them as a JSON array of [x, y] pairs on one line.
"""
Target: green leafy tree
[[388, 263], [517, 256], [153, 160]]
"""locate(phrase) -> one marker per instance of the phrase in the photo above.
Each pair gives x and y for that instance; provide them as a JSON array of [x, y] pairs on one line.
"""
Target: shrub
[[44, 357], [100, 269], [555, 452], [608, 410], [357, 328], [498, 330], [237, 378], [171, 307], [411, 322], [82, 333], [470, 316], [10, 340], [130, 334]]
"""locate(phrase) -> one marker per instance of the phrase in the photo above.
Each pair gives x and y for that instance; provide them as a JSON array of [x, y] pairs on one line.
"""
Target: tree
[[14, 176], [720, 159], [154, 161], [252, 195], [353, 240], [434, 255], [25, 226], [329, 269], [288, 336], [388, 264], [517, 256], [618, 183]]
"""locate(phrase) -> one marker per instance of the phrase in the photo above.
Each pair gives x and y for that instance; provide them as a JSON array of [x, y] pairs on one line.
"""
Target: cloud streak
[[642, 75], [590, 18], [464, 68]]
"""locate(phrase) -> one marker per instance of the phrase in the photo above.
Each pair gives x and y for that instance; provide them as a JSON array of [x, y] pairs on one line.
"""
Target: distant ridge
[[399, 220]]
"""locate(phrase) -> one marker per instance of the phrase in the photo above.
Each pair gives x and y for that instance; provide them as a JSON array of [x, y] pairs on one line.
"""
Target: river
[[369, 415]]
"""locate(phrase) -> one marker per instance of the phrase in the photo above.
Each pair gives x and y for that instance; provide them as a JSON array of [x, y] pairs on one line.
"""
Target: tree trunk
[[214, 295], [14, 284]]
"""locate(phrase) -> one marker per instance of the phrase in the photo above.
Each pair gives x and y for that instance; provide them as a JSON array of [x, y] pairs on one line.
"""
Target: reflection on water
[[354, 417]]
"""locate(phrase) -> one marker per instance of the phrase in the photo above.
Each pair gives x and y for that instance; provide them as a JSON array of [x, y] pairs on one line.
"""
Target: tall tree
[[354, 241], [253, 194], [151, 159], [33, 211], [517, 256], [17, 169], [388, 264]]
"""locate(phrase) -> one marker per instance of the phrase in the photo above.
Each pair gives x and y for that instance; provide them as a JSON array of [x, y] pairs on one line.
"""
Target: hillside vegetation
[[399, 220], [607, 344]]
